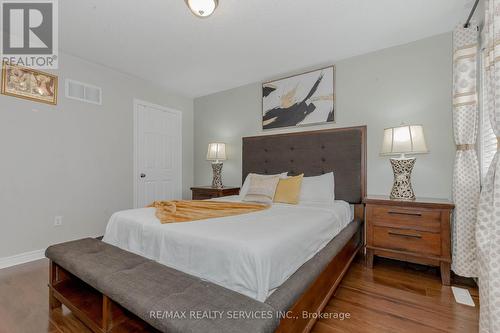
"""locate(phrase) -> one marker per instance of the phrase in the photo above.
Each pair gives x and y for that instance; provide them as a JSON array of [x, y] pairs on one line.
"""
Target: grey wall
[[410, 83], [74, 159]]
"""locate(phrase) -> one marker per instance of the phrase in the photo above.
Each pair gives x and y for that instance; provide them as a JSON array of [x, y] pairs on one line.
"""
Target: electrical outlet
[[58, 221]]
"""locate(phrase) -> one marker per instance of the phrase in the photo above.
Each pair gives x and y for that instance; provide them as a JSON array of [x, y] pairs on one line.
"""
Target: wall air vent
[[83, 92]]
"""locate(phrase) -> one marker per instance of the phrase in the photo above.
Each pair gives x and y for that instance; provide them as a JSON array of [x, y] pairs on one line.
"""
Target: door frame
[[138, 102]]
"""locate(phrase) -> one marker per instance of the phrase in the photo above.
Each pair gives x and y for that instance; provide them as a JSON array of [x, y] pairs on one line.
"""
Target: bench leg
[[106, 313], [53, 302]]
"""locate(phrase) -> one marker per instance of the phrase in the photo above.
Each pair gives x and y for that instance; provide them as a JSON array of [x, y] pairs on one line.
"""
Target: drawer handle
[[404, 235], [405, 213]]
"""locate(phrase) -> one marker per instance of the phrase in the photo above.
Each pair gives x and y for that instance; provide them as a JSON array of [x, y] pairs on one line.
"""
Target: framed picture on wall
[[29, 84], [299, 100]]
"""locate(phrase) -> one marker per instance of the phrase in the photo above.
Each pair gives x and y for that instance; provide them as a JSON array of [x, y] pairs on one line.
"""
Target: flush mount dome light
[[202, 8]]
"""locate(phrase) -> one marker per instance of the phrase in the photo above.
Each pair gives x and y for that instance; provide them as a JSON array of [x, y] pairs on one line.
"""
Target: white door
[[157, 153]]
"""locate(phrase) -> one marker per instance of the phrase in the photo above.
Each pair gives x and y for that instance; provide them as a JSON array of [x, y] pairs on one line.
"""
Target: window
[[487, 139]]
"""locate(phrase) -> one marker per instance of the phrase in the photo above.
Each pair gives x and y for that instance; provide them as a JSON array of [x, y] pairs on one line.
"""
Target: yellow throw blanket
[[192, 210]]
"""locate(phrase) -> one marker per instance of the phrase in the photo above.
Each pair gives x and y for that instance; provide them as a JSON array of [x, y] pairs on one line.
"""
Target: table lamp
[[405, 139], [216, 153]]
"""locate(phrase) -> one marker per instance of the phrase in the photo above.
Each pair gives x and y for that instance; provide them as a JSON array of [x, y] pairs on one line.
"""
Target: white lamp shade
[[216, 152], [408, 139], [202, 8]]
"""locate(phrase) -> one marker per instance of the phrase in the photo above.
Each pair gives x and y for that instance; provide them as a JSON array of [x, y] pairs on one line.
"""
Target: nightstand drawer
[[204, 196], [406, 218], [208, 192], [407, 240]]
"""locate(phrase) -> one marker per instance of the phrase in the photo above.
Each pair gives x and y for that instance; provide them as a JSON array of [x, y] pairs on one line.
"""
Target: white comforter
[[252, 253]]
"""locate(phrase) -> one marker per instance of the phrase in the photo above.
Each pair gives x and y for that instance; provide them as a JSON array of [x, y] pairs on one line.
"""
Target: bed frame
[[341, 150]]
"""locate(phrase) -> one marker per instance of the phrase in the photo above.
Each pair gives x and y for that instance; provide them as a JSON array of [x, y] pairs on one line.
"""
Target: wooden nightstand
[[208, 192], [416, 231]]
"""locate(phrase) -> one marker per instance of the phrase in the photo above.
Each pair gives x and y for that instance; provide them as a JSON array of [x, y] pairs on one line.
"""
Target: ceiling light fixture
[[202, 8]]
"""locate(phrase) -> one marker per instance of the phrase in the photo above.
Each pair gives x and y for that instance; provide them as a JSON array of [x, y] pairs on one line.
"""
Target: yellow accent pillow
[[288, 190]]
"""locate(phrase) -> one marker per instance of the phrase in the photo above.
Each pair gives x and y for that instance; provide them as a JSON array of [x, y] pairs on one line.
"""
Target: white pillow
[[318, 189], [262, 189], [246, 184]]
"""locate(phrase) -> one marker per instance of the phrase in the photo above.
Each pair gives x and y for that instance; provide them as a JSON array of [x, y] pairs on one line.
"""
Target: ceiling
[[244, 41]]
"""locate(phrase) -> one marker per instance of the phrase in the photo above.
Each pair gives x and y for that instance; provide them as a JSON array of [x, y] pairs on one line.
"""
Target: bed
[[286, 260], [252, 253], [261, 254]]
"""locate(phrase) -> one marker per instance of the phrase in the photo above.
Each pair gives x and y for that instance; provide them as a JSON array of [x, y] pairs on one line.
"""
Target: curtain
[[466, 178], [488, 222]]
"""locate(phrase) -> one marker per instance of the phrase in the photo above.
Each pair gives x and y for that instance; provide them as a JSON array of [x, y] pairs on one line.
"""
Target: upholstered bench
[[89, 271], [96, 281]]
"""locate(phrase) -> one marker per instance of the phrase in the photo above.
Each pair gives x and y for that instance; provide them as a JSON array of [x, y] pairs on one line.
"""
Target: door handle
[[143, 175]]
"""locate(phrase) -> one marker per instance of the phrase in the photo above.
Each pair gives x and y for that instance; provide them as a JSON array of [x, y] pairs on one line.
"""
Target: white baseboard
[[25, 257], [22, 258]]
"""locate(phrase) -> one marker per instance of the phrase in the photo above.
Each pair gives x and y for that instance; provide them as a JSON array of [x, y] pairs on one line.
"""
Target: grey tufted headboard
[[341, 150]]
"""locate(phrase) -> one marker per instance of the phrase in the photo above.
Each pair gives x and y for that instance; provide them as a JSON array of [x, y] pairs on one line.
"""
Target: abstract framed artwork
[[29, 84], [299, 100]]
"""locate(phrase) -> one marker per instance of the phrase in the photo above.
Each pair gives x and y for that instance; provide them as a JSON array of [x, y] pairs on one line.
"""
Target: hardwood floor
[[398, 297], [393, 297]]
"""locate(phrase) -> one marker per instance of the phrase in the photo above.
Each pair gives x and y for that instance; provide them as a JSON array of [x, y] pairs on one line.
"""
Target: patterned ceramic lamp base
[[217, 180], [402, 178]]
